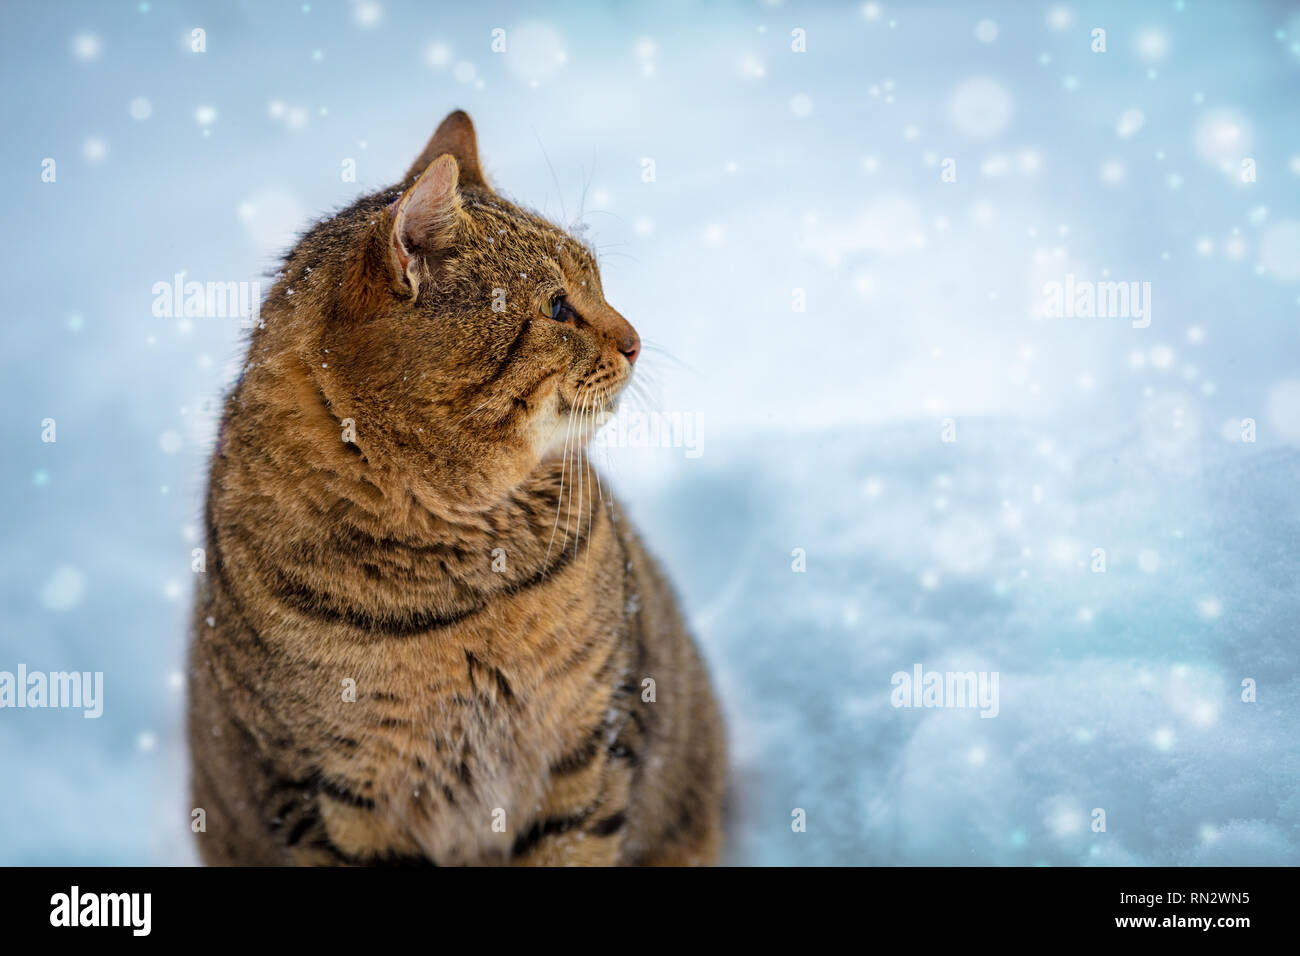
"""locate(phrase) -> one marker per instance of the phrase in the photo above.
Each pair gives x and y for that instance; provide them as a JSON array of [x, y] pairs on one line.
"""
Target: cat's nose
[[631, 348], [625, 337]]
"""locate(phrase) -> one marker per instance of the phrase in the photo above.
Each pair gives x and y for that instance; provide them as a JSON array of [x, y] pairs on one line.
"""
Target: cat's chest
[[457, 742], [509, 683]]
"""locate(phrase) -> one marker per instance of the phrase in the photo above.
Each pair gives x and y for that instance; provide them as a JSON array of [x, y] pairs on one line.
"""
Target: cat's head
[[466, 337]]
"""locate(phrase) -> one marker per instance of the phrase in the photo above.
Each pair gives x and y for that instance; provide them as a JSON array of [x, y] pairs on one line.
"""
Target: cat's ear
[[399, 247], [425, 216], [454, 135]]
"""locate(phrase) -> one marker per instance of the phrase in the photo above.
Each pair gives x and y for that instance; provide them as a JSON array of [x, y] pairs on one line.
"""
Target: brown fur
[[508, 695]]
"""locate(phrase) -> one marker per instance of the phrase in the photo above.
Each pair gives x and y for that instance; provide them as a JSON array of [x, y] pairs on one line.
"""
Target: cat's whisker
[[606, 212], [590, 523], [578, 442], [604, 402], [564, 460], [605, 255], [584, 478], [647, 368], [638, 394], [582, 451], [650, 346], [556, 179], [610, 461], [475, 412], [577, 439], [652, 393], [577, 467], [596, 470], [586, 183], [650, 372]]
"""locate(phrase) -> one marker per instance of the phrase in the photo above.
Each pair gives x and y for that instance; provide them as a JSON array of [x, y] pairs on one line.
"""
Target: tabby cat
[[427, 635]]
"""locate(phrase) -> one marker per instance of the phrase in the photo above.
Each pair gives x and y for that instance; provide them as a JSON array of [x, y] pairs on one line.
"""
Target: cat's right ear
[[403, 244]]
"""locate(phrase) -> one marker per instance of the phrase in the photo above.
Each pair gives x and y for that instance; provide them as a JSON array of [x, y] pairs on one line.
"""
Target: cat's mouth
[[597, 394]]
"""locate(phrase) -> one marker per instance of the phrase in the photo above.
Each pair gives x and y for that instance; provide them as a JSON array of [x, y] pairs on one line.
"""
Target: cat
[[427, 634]]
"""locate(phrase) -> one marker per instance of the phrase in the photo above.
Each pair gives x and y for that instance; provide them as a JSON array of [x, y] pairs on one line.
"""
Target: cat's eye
[[561, 311]]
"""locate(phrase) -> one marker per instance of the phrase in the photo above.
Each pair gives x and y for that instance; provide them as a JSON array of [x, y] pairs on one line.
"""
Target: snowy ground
[[1118, 690]]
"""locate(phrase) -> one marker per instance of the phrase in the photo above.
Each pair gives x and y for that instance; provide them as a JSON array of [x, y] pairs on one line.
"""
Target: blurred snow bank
[[1121, 690]]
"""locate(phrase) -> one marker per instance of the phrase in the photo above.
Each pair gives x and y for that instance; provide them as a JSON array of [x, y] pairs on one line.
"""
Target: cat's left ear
[[454, 135]]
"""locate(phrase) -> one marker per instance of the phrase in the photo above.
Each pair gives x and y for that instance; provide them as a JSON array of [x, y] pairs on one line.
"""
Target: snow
[[1134, 707]]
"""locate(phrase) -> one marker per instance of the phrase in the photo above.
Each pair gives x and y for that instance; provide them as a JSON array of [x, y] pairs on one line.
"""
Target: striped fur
[[454, 563]]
